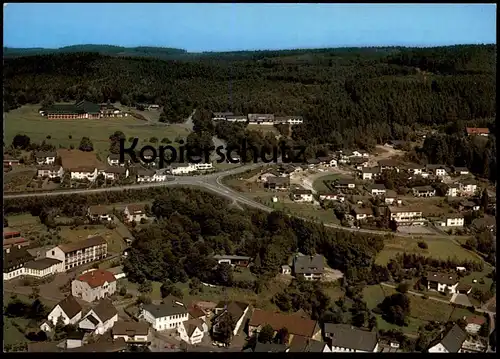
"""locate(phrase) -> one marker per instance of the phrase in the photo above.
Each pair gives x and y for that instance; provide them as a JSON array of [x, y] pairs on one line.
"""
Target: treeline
[[349, 97], [190, 229]]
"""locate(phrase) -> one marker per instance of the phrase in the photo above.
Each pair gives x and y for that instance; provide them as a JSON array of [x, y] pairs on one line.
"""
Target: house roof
[[390, 194], [236, 309], [43, 347], [83, 169], [379, 186], [44, 154], [15, 257], [476, 320], [346, 336], [309, 264], [357, 160], [231, 257], [463, 287], [116, 170], [89, 242], [260, 117], [325, 158], [269, 348], [454, 339], [460, 169], [130, 328], [278, 180], [394, 209], [423, 188], [91, 319], [105, 310], [99, 210], [444, 278], [301, 191], [145, 172], [477, 130], [195, 311], [43, 263], [363, 210], [70, 306], [104, 346], [305, 345], [191, 326], [165, 309], [116, 270], [370, 170], [295, 324], [136, 208], [346, 181], [97, 278], [222, 114]]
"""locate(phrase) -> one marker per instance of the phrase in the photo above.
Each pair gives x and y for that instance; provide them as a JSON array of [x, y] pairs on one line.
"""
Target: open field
[[264, 129], [28, 225], [439, 248], [26, 120], [76, 158], [306, 211], [11, 335], [115, 242], [320, 185]]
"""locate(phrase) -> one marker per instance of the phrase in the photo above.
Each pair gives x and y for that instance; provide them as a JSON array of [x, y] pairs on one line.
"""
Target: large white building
[[50, 171], [84, 173], [93, 285], [406, 216], [134, 213], [192, 331], [168, 315], [18, 262], [79, 253]]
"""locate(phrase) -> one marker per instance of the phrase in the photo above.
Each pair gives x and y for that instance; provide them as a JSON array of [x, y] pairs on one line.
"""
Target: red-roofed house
[[474, 324], [94, 285], [475, 131]]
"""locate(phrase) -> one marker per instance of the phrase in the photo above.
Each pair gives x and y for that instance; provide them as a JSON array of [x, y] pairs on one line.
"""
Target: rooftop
[[86, 243], [41, 264], [444, 278], [295, 324], [165, 310], [309, 264], [97, 278], [130, 328], [346, 336]]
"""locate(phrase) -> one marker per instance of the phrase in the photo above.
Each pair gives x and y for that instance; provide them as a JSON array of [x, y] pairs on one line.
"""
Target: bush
[[123, 291], [423, 245], [425, 296], [403, 287]]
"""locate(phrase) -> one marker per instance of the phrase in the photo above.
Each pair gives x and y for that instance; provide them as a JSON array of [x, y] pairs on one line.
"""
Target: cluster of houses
[[257, 119], [81, 110]]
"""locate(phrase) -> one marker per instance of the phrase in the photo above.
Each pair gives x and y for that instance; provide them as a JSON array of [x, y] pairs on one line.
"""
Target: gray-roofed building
[[345, 338], [345, 183], [306, 345], [309, 267], [237, 310], [451, 342], [278, 183], [424, 191], [240, 261], [264, 119], [377, 189], [168, 315], [368, 173], [442, 282]]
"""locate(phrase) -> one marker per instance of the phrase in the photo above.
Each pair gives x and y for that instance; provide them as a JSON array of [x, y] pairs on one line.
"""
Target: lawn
[[116, 244], [439, 248], [28, 225], [26, 120], [320, 185], [305, 211], [11, 335]]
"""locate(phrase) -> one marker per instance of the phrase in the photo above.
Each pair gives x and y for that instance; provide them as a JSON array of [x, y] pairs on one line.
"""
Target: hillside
[[348, 96]]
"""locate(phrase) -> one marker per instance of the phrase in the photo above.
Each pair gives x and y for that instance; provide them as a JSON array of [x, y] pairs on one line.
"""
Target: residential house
[[309, 267], [286, 269], [114, 159], [476, 131], [237, 310], [68, 309], [261, 119], [45, 158], [328, 161], [370, 173], [390, 197], [118, 272], [468, 187], [451, 221], [332, 197], [344, 338], [192, 331], [406, 216], [84, 173], [289, 120], [343, 156], [461, 171], [302, 195], [415, 169], [304, 345], [196, 312], [10, 161], [452, 190], [346, 183], [236, 118], [50, 171], [14, 260], [79, 253], [463, 288], [145, 175], [221, 116], [451, 342], [358, 162], [108, 110], [131, 332], [312, 162], [94, 285], [168, 315], [99, 213], [424, 191], [297, 325], [134, 213], [469, 206], [360, 153], [269, 174], [377, 189], [239, 261], [388, 165], [362, 213], [99, 319], [182, 168], [438, 170], [113, 173], [442, 282], [44, 267], [277, 183], [474, 324]]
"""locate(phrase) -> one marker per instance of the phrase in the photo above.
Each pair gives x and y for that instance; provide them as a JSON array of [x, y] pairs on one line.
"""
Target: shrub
[[423, 245]]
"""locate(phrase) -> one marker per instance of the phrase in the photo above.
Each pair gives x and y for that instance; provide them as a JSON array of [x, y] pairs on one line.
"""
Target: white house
[[114, 172], [94, 285], [344, 338], [451, 221], [204, 166], [17, 262], [79, 253], [406, 216], [50, 171], [332, 197], [100, 319], [168, 315], [261, 119], [69, 310], [452, 190], [474, 324], [134, 213], [82, 173], [468, 188], [114, 160], [377, 190], [442, 282], [99, 213], [144, 175], [286, 269], [192, 331], [43, 267], [221, 116], [369, 173], [361, 213], [131, 332], [451, 342], [182, 168], [45, 158], [237, 310], [302, 195]]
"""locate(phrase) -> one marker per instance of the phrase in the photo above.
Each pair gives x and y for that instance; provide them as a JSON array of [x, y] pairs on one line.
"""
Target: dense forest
[[348, 97]]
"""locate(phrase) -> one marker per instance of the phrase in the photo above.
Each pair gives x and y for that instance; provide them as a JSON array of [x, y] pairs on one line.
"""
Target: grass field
[[306, 211], [26, 120], [115, 242], [320, 185], [11, 335], [27, 224], [439, 248]]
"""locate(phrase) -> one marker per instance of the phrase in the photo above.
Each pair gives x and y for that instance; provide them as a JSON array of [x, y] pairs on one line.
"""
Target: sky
[[226, 27]]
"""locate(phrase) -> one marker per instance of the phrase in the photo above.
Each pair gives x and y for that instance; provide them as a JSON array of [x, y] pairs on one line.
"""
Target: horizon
[[249, 27]]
